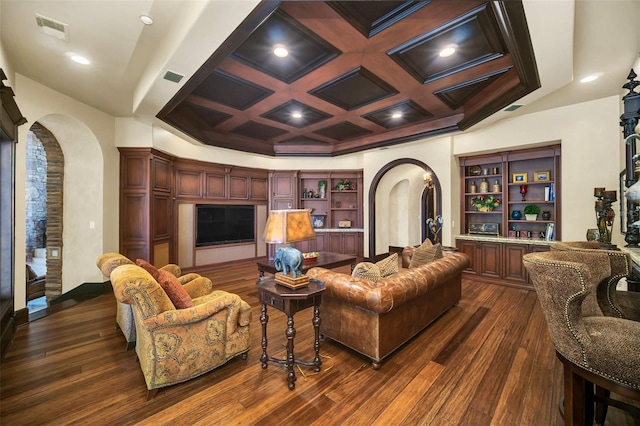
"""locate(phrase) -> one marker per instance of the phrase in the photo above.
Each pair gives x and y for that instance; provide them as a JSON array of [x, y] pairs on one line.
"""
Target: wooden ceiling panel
[[351, 67]]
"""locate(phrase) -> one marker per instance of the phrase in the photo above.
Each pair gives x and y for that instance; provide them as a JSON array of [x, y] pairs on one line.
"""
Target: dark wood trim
[[250, 23]]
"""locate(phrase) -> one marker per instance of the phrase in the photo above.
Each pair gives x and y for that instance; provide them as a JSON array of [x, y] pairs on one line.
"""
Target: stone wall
[[36, 195]]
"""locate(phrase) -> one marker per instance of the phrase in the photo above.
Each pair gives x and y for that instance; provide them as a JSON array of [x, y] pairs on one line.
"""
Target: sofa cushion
[[388, 266], [367, 270], [178, 295], [148, 267], [425, 254]]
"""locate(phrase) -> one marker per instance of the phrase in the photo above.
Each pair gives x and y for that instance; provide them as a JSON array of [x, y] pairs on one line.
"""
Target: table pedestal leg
[[264, 318], [317, 362], [291, 333]]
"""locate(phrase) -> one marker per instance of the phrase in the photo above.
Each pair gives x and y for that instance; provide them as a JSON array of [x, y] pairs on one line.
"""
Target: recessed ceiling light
[[147, 20], [396, 115], [296, 115], [280, 51], [448, 51], [80, 59], [589, 78]]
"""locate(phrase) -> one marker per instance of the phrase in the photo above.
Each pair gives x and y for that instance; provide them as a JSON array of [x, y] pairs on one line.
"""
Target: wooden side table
[[290, 301]]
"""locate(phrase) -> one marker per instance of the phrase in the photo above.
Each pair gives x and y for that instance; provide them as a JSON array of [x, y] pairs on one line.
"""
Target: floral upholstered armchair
[[175, 345], [124, 315]]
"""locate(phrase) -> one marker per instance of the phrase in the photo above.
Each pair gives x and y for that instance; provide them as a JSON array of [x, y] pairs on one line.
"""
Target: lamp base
[[293, 283]]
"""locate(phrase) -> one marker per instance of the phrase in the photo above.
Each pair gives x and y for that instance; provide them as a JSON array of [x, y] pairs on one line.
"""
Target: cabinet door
[[161, 214], [258, 187], [335, 242], [468, 248], [322, 243], [215, 185], [284, 190], [239, 187], [188, 184], [161, 174], [350, 243], [514, 269], [491, 260]]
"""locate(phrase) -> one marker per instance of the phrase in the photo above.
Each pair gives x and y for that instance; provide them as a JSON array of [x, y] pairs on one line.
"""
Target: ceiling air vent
[[52, 28], [172, 76], [512, 107]]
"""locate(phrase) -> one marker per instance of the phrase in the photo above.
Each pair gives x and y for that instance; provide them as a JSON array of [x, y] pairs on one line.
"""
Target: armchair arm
[[198, 287], [134, 285], [184, 279], [173, 268], [207, 307]]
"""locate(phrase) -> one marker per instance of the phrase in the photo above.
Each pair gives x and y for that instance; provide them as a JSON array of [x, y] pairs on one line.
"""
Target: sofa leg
[[375, 365], [244, 355], [151, 393]]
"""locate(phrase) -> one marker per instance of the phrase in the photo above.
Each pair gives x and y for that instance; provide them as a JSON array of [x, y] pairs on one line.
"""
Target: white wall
[[589, 133], [86, 137], [592, 154], [435, 153]]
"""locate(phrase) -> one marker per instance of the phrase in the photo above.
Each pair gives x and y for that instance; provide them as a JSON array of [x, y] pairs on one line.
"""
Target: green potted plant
[[531, 211]]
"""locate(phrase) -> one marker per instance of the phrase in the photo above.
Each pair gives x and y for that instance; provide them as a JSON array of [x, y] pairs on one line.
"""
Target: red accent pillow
[[178, 295], [148, 267]]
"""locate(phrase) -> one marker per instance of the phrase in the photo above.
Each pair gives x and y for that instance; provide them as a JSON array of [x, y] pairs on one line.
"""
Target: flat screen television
[[218, 224]]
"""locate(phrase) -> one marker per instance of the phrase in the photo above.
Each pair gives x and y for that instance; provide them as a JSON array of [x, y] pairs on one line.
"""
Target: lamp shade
[[288, 226]]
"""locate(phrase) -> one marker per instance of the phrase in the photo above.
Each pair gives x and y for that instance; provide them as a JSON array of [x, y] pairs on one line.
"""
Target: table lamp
[[286, 227]]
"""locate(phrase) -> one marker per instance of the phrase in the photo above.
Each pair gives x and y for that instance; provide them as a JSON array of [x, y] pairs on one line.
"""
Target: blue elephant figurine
[[289, 259]]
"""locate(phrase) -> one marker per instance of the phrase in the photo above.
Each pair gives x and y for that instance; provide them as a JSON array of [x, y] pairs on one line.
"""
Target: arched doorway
[[402, 180], [53, 216]]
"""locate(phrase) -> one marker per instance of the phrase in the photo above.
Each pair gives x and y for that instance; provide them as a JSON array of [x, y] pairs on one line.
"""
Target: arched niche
[[400, 204]]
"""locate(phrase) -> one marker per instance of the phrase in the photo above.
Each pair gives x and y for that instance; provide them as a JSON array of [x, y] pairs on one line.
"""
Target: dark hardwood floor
[[488, 360]]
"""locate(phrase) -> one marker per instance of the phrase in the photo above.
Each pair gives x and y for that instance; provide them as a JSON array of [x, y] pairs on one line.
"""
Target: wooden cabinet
[[486, 258], [335, 196], [499, 261], [215, 185], [283, 187], [188, 183], [512, 180], [514, 269], [218, 182], [146, 177], [350, 242]]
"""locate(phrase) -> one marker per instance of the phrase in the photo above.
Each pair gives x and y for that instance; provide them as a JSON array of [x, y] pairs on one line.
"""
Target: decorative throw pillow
[[178, 295], [367, 270], [389, 265], [148, 267], [423, 255]]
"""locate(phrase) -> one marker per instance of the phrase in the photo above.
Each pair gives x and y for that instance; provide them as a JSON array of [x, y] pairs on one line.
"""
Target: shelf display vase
[[484, 208], [516, 215], [546, 215], [484, 185]]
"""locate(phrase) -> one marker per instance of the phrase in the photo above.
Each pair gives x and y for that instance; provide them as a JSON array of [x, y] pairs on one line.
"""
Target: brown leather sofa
[[376, 318]]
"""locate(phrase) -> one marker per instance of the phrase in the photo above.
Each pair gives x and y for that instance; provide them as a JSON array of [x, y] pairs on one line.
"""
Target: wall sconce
[[428, 180]]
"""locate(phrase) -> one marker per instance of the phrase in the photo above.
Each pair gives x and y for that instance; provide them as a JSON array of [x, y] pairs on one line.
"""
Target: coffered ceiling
[[353, 69], [358, 75]]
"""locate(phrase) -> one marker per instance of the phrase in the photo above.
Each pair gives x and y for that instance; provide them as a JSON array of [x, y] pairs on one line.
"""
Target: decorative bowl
[[312, 255]]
